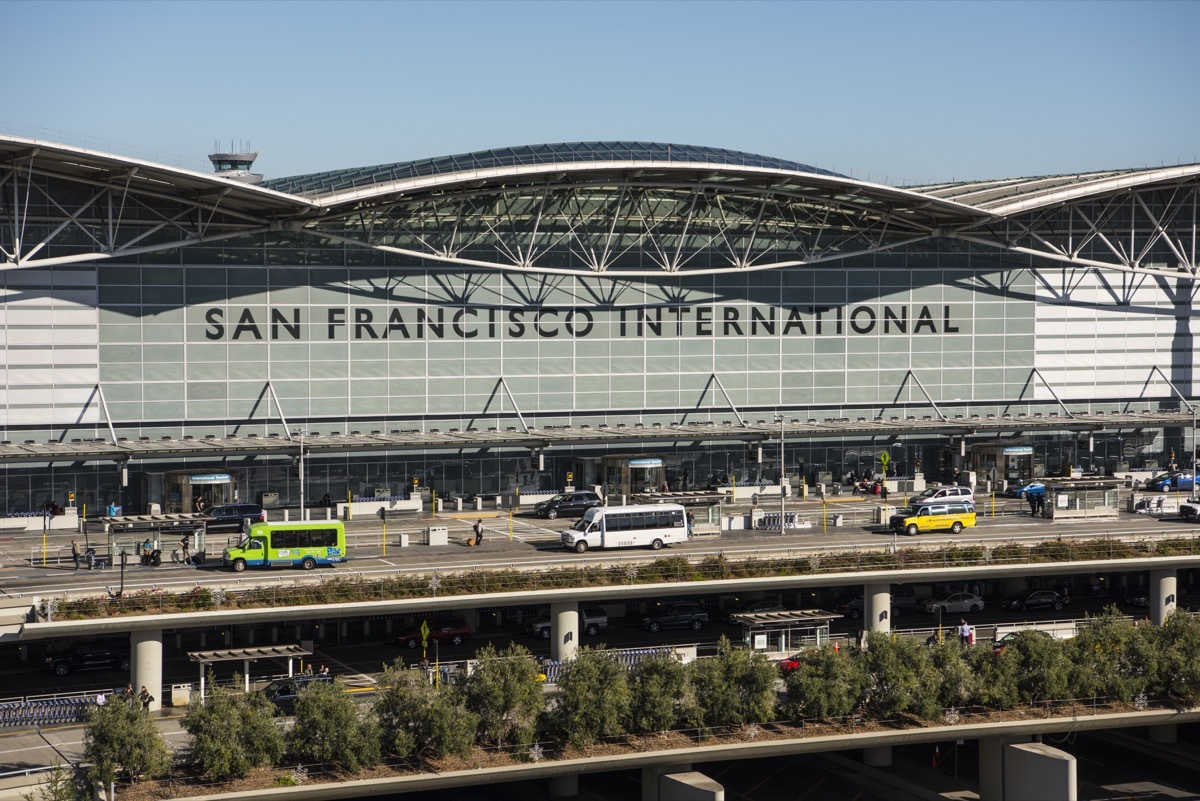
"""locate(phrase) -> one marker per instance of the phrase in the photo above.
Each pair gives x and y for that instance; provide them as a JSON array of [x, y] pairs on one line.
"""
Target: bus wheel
[[656, 545], [239, 565], [308, 563], [957, 527], [580, 547], [913, 530]]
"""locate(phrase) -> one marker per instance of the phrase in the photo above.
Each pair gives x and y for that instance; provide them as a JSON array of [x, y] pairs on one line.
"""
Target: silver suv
[[942, 495]]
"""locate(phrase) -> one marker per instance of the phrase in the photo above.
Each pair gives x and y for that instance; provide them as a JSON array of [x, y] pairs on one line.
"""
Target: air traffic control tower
[[235, 166]]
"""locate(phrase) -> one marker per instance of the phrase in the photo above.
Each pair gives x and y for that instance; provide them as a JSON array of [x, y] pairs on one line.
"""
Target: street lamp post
[[782, 479]]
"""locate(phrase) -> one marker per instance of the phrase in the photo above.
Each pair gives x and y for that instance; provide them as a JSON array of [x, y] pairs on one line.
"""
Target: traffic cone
[[836, 648]]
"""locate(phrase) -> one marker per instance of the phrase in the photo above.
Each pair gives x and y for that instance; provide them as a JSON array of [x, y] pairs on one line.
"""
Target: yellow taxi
[[934, 517]]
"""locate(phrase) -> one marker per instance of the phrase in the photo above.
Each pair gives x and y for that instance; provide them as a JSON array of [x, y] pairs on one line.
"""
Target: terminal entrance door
[[175, 492], [627, 475]]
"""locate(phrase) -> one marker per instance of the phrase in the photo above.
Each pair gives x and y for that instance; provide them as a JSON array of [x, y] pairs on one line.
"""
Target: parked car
[[1138, 600], [1170, 482], [753, 607], [999, 645], [1033, 488], [284, 692], [1038, 599], [945, 494], [790, 663], [567, 504], [104, 654], [677, 616], [955, 602], [592, 621], [453, 630], [852, 606], [231, 516]]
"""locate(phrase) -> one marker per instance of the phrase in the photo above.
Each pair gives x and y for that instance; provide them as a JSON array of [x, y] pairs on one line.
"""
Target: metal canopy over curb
[[234, 654]]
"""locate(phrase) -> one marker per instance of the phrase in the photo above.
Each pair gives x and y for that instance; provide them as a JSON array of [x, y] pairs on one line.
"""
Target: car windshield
[[929, 493], [558, 497]]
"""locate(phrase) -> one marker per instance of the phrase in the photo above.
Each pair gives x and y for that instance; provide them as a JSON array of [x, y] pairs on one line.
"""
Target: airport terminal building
[[627, 313]]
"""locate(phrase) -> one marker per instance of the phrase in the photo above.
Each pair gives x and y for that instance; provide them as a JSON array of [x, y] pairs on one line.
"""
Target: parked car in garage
[[677, 616], [1038, 599], [592, 620], [103, 654], [954, 603], [453, 630]]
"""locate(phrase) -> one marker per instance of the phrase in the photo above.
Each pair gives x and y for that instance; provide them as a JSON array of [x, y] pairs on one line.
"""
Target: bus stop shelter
[[246, 656], [785, 631]]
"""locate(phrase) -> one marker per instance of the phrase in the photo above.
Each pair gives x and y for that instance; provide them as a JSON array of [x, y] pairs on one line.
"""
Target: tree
[[1042, 667], [232, 732], [505, 691], [736, 686], [1112, 658], [62, 783], [900, 676], [957, 683], [826, 684], [419, 719], [123, 740], [995, 677], [593, 697], [330, 729], [1177, 669], [656, 686]]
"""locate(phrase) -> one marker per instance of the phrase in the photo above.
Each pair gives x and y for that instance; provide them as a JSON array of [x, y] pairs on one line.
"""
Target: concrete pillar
[[147, 653], [877, 608], [250, 635], [366, 629], [1039, 772], [387, 627], [1165, 734], [562, 786], [689, 786], [203, 639], [991, 766], [274, 634], [1162, 595], [878, 757], [652, 775], [564, 630]]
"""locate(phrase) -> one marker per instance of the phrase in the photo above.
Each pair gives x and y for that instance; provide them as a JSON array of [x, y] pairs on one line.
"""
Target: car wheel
[[854, 614], [974, 608], [239, 565], [544, 633], [656, 545], [124, 666], [896, 612], [1166, 488], [1021, 495], [580, 547], [62, 669], [592, 630], [411, 642], [308, 563], [957, 527], [457, 639], [654, 626], [551, 514], [697, 625], [1058, 606], [913, 530]]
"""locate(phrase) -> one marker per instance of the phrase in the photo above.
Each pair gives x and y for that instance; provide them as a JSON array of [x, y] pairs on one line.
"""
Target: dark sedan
[[1039, 599]]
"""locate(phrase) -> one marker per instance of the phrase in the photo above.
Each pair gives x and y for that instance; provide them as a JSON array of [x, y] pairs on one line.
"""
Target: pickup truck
[[592, 621]]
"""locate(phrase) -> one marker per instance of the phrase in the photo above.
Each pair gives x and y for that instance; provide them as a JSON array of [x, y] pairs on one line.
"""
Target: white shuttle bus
[[648, 525]]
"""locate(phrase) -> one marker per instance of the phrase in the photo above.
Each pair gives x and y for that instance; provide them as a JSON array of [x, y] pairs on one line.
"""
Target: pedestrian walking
[[75, 554], [691, 524], [1041, 505], [964, 632], [478, 529], [183, 549], [127, 695], [145, 697], [1033, 504]]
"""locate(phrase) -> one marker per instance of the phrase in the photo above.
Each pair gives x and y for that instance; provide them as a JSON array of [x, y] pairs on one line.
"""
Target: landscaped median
[[497, 721], [662, 570]]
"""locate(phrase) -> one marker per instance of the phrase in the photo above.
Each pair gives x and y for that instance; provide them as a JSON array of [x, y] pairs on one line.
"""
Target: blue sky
[[896, 92]]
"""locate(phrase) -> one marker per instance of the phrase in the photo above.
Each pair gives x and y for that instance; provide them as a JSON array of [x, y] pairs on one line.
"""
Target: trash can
[[437, 535], [883, 514], [268, 500], [180, 694]]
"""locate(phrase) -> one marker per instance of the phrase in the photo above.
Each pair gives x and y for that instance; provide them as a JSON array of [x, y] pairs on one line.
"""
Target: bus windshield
[[582, 524]]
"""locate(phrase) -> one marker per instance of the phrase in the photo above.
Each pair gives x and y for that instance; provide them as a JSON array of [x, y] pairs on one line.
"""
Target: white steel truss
[[1150, 230]]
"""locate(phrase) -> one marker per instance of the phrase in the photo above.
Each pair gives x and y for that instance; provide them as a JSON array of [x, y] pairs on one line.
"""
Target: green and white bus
[[304, 545]]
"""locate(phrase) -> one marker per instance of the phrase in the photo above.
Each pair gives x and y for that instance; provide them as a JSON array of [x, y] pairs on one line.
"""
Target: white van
[[648, 525]]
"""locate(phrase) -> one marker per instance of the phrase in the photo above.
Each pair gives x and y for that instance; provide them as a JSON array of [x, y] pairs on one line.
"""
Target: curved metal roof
[[1003, 197], [333, 181]]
